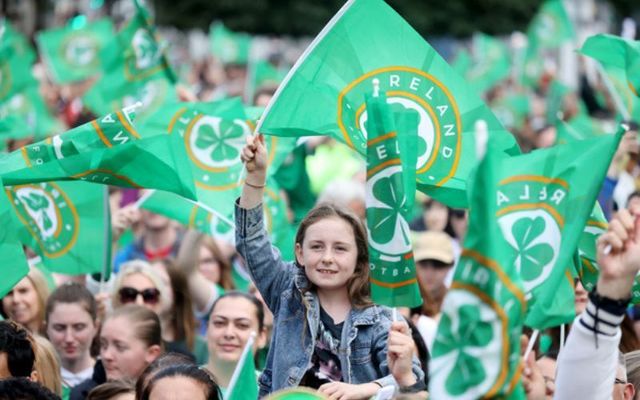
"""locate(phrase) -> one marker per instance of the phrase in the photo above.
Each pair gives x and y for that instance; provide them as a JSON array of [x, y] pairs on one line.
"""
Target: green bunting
[[66, 223], [324, 95]]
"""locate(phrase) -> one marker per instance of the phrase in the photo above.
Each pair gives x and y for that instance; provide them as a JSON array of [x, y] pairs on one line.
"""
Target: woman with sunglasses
[[151, 286], [130, 340]]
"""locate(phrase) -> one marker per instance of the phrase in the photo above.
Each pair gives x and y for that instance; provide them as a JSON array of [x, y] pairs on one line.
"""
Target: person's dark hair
[[247, 296], [24, 389], [72, 292], [182, 318], [358, 284], [164, 361], [200, 376], [17, 343], [109, 390], [423, 350]]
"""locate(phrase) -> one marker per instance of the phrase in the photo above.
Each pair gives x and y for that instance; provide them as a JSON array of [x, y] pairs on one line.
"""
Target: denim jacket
[[363, 346]]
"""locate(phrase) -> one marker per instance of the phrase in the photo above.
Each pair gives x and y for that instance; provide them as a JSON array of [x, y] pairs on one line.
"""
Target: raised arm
[[254, 156]]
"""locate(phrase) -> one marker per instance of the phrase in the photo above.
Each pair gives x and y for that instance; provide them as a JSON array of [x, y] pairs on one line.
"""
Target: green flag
[[555, 101], [586, 261], [72, 54], [550, 27], [243, 384], [617, 52], [491, 62], [261, 73], [15, 64], [229, 47], [462, 63], [392, 266], [476, 352], [543, 201], [107, 150], [191, 214], [66, 223], [25, 115], [135, 69], [14, 262], [324, 95], [512, 110], [296, 393]]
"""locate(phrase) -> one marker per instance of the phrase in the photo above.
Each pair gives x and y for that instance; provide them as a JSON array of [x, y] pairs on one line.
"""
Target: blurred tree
[[307, 17]]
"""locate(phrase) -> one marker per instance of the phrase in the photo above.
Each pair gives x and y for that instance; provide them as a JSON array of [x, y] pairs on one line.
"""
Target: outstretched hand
[[619, 255], [254, 155]]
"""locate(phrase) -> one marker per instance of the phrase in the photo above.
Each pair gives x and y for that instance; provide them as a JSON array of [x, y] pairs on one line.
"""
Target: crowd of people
[[179, 308]]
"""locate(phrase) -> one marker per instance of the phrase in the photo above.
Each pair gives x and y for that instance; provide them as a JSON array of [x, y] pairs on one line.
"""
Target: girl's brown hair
[[358, 283], [144, 322], [72, 293], [182, 321]]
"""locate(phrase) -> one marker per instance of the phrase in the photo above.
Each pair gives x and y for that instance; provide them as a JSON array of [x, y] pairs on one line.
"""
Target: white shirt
[[72, 379]]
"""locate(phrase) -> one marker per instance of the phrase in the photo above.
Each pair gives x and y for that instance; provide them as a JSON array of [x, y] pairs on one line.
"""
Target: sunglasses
[[129, 295]]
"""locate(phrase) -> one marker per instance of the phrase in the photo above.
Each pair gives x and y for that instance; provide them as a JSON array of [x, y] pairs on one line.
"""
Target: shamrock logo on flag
[[145, 49], [467, 349], [40, 209], [81, 51], [218, 142], [535, 239], [391, 233]]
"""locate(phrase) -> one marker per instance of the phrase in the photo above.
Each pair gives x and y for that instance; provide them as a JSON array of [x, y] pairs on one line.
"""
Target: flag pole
[[107, 238], [238, 369], [612, 91], [532, 342]]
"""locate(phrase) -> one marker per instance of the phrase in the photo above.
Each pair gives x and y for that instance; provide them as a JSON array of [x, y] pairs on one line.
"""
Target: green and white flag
[[476, 352], [244, 384], [512, 110], [617, 52], [324, 95], [107, 150], [14, 263], [586, 256], [25, 115], [72, 54], [543, 201], [229, 47], [491, 64], [135, 69], [191, 214], [66, 223], [392, 266], [550, 27], [16, 58]]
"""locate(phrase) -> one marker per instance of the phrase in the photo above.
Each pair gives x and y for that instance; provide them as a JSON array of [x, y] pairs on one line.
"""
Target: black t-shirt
[[325, 363]]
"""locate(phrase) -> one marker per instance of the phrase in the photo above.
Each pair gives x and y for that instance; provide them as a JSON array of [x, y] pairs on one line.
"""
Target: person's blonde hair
[[39, 282], [47, 365], [143, 268]]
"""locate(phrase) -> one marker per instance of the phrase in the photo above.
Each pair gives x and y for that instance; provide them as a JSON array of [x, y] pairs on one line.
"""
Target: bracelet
[[417, 387], [253, 185]]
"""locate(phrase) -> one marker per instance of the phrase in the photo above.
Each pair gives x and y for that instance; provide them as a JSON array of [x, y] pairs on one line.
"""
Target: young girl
[[71, 323], [327, 333]]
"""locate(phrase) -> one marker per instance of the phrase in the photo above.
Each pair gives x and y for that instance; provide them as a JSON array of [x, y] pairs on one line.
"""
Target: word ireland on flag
[[323, 94], [393, 269], [66, 223], [476, 353], [108, 150]]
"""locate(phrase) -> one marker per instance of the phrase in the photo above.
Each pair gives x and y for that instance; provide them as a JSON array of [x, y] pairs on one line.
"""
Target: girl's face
[[71, 330], [141, 283], [21, 303], [124, 355], [328, 253], [230, 326], [208, 265], [436, 216], [177, 387]]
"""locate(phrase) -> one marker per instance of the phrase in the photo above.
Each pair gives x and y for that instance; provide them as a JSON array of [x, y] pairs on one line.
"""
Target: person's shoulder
[[82, 389]]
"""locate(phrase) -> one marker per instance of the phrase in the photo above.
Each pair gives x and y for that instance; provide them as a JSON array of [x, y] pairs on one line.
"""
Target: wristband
[[419, 386], [254, 185], [616, 307]]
